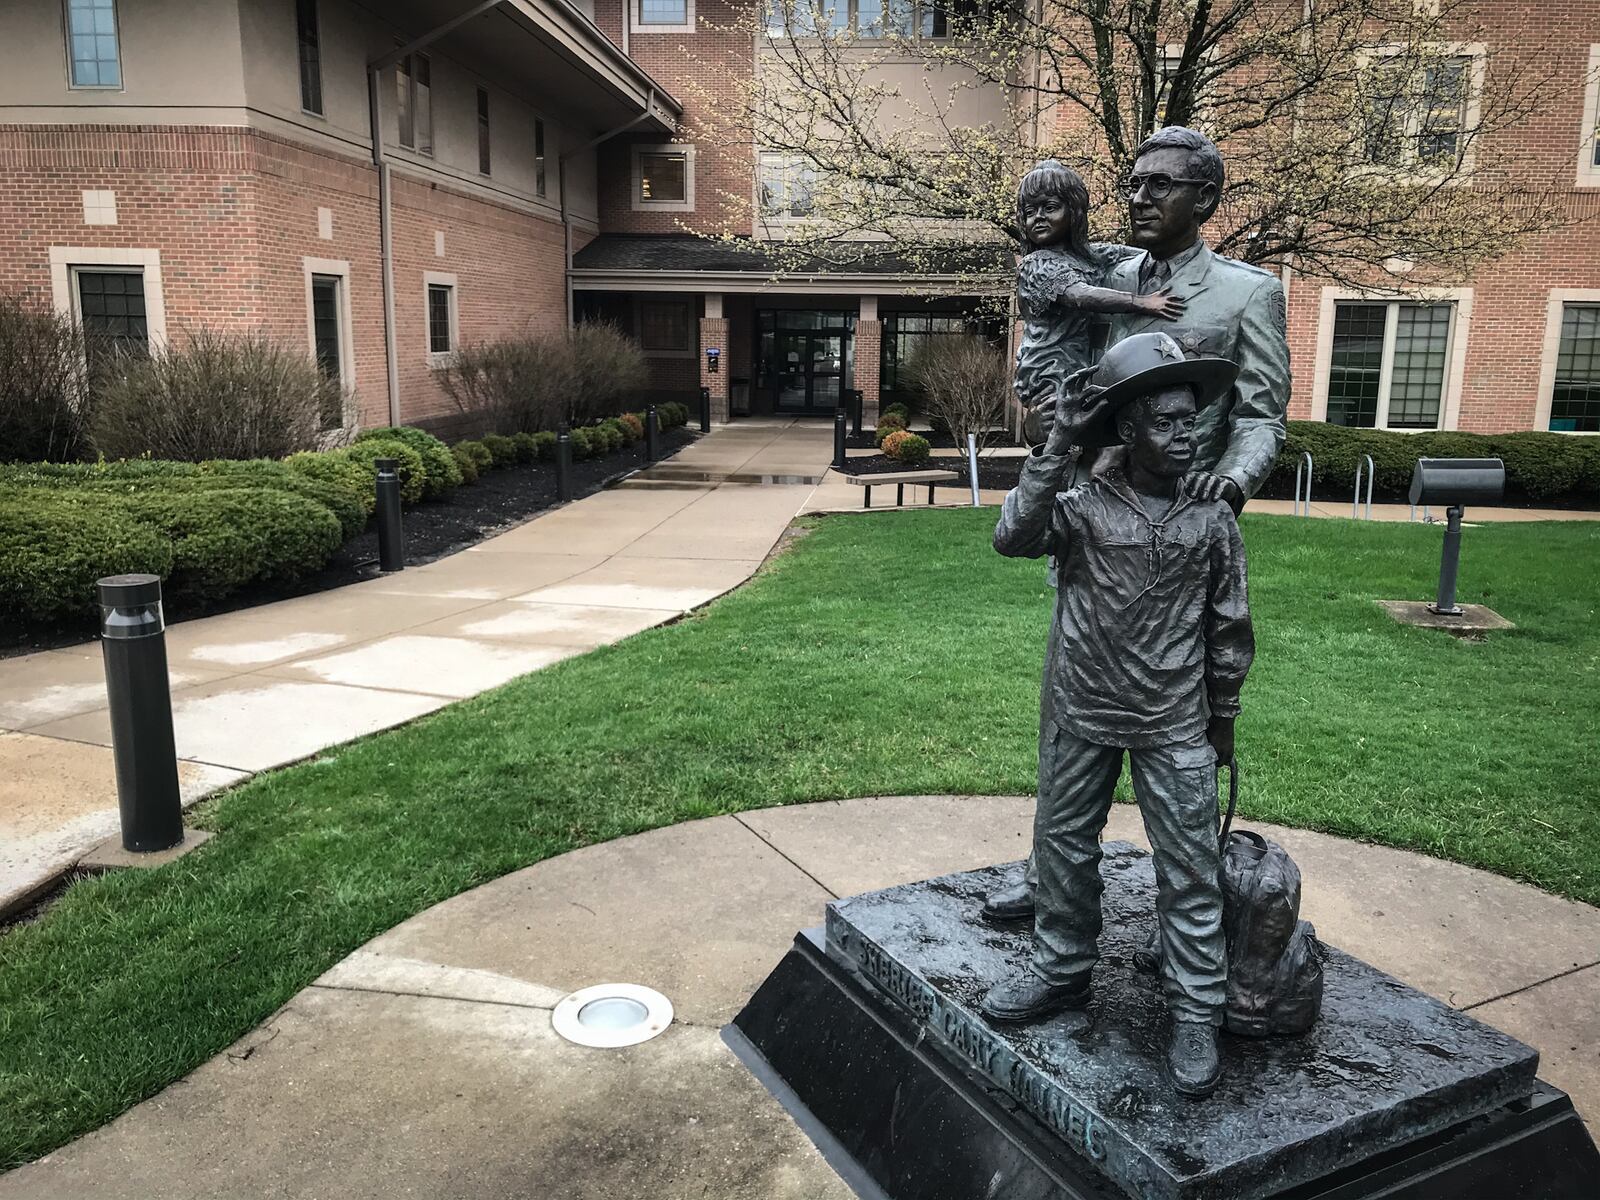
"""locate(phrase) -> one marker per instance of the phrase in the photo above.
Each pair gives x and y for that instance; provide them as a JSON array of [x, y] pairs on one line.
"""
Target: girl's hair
[[1052, 178]]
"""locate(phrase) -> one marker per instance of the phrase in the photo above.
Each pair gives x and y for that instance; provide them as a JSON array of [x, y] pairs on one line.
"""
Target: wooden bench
[[900, 479]]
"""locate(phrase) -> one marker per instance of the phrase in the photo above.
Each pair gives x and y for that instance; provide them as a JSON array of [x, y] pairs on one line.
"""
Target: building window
[[925, 19], [413, 78], [905, 335], [663, 15], [483, 131], [665, 327], [1575, 402], [787, 184], [1388, 365], [111, 308], [305, 14], [327, 339], [1589, 148], [663, 178], [538, 156], [1416, 114], [92, 52], [441, 318]]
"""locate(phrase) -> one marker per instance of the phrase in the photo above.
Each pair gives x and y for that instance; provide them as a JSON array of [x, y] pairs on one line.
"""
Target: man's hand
[[1220, 734], [1203, 485]]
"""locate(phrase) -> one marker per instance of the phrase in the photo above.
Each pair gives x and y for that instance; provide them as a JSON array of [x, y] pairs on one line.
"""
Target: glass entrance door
[[804, 359]]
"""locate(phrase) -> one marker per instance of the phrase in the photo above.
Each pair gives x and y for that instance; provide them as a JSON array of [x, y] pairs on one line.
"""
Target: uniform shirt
[[1154, 636]]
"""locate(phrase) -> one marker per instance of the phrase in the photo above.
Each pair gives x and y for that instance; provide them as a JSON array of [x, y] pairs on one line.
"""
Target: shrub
[[906, 447], [501, 449], [633, 425], [413, 479], [44, 384], [966, 385], [583, 443], [54, 545], [519, 384], [479, 453], [897, 409], [608, 367], [886, 426], [527, 446], [545, 443], [219, 395], [350, 501], [466, 464], [225, 538], [438, 464], [1539, 466], [614, 434], [336, 468]]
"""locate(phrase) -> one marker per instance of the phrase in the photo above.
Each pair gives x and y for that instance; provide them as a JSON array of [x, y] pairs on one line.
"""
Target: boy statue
[[1154, 641]]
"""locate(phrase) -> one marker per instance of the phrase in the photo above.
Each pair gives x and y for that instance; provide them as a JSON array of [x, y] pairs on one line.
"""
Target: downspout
[[566, 212], [391, 348]]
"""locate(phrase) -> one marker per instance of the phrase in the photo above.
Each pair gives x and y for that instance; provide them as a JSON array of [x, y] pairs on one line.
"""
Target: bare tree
[[965, 383], [1363, 137]]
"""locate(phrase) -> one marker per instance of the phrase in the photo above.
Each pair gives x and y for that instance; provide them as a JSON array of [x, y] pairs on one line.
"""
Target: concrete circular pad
[[425, 1065]]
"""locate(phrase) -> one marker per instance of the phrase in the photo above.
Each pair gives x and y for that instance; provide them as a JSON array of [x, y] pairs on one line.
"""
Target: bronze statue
[[1153, 642], [1225, 309]]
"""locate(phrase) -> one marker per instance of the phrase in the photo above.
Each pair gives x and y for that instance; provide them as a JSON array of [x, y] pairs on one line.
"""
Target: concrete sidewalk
[[425, 1065], [269, 685]]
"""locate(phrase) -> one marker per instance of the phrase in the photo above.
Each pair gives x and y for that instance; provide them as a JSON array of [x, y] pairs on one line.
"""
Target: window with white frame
[[787, 185], [1389, 363], [924, 19], [663, 178], [1575, 400], [94, 58], [442, 315], [328, 326], [662, 16], [1589, 149], [1418, 111], [413, 84]]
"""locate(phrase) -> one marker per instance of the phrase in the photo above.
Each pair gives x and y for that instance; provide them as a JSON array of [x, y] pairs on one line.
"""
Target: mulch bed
[[500, 500]]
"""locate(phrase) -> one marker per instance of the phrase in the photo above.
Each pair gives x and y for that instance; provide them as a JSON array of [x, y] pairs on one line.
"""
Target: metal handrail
[[1304, 465], [1355, 503]]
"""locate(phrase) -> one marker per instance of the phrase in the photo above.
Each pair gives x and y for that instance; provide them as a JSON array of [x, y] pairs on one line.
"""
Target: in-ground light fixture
[[609, 1016]]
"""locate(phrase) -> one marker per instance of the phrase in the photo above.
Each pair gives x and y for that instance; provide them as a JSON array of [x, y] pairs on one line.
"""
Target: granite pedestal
[[873, 1037]]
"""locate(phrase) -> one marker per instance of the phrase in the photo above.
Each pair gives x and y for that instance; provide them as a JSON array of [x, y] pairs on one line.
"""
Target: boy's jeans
[[1176, 787]]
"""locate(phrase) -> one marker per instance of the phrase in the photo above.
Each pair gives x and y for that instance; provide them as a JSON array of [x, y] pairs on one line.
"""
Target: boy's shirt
[[1155, 634]]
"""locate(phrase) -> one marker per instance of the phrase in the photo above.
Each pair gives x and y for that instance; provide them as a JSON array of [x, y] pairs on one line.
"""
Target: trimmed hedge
[[466, 464], [502, 450], [206, 541], [438, 463], [1539, 466], [413, 476], [909, 448], [54, 545]]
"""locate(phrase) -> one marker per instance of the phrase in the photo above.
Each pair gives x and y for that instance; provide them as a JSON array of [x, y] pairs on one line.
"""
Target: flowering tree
[[1362, 137]]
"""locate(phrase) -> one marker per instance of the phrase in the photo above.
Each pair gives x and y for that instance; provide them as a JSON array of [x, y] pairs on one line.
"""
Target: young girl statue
[[1057, 284]]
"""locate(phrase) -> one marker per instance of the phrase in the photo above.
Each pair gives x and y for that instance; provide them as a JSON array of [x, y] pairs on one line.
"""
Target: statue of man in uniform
[[1229, 310]]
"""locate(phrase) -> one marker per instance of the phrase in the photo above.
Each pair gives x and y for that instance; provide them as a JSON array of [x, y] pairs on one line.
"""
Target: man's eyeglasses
[[1158, 185]]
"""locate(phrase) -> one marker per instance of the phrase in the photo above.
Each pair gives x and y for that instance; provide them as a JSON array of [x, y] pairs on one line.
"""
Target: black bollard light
[[651, 431], [839, 428], [705, 410], [134, 644], [391, 538], [856, 402], [563, 465]]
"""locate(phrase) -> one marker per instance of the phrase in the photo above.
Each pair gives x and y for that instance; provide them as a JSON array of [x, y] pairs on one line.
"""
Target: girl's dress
[[1056, 339]]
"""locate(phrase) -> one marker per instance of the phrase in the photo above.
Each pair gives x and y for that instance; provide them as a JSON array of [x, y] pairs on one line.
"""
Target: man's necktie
[[1154, 274]]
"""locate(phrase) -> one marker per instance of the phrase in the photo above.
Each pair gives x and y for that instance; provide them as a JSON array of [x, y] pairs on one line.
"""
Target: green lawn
[[892, 654]]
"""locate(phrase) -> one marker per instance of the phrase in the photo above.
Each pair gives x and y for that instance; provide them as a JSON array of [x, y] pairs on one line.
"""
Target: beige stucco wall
[[181, 57]]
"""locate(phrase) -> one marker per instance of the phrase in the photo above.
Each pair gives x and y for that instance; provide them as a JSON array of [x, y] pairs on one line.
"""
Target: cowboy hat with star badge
[[1144, 363]]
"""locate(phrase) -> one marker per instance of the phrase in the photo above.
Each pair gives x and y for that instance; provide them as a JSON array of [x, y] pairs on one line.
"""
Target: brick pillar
[[714, 333], [869, 360]]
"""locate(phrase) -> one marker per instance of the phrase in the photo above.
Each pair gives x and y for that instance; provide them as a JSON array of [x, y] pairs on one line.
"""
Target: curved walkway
[[268, 685], [424, 1065]]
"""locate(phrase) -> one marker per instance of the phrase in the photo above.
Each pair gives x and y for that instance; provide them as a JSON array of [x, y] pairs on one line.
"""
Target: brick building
[[168, 165]]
